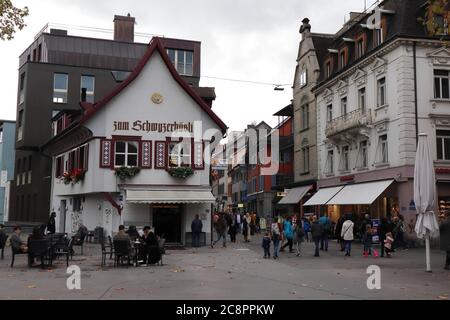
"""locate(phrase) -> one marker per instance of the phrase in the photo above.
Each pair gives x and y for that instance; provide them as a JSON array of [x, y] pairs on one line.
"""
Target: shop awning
[[170, 196], [362, 193], [323, 196], [294, 196]]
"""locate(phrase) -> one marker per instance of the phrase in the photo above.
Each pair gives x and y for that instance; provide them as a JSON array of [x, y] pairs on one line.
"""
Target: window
[[305, 154], [180, 154], [443, 145], [18, 172], [30, 161], [329, 168], [182, 60], [254, 185], [24, 171], [343, 58], [1, 136], [362, 99], [305, 115], [20, 126], [360, 48], [383, 155], [379, 34], [39, 52], [381, 92], [76, 204], [363, 155], [330, 113], [328, 69], [261, 183], [303, 77], [88, 83], [22, 88], [60, 87], [345, 159], [82, 158], [441, 84], [126, 154], [344, 106], [59, 170]]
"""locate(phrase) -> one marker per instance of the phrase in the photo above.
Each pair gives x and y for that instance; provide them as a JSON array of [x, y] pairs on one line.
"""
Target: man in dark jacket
[[338, 232], [317, 231], [221, 229], [51, 225], [196, 228], [444, 229]]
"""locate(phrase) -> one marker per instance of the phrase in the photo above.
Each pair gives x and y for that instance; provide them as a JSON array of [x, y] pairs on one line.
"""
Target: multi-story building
[[237, 170], [138, 156], [7, 150], [56, 72], [383, 81], [220, 178]]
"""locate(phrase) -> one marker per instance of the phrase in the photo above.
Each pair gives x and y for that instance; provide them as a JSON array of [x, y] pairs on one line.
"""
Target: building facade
[[7, 150], [140, 156], [53, 73], [379, 88]]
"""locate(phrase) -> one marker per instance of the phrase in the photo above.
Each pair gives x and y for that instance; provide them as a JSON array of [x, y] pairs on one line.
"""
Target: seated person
[[123, 236], [150, 252], [36, 236], [80, 235], [17, 244], [133, 233]]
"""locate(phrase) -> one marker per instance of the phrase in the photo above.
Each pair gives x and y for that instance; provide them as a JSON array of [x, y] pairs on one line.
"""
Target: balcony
[[351, 125]]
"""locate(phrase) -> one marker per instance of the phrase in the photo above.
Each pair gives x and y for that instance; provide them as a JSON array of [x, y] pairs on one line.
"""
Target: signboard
[[240, 205], [3, 179], [375, 236], [146, 126]]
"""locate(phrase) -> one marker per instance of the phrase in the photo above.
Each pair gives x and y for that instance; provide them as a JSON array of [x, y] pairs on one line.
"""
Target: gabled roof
[[154, 46]]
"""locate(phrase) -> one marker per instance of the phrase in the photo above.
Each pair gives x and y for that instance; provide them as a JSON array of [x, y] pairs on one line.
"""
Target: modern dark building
[[56, 72]]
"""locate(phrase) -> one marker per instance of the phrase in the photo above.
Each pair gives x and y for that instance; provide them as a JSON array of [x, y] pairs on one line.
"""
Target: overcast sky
[[253, 40]]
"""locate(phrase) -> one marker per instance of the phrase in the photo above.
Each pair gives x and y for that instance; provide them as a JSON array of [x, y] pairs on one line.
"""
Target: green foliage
[[127, 172], [181, 172], [11, 18]]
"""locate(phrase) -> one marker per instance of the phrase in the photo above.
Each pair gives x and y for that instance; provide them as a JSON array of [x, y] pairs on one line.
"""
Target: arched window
[[303, 77]]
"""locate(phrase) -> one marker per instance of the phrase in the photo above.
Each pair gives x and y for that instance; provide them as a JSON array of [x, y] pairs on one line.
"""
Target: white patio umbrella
[[425, 195]]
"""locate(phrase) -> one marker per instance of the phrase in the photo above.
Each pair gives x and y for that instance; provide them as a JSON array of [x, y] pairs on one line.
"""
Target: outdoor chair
[[90, 236], [162, 251], [14, 253], [106, 250], [3, 238], [121, 252], [110, 245], [79, 242], [39, 249], [64, 249]]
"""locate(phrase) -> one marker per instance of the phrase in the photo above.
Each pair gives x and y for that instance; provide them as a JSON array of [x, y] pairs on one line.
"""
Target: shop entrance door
[[167, 222]]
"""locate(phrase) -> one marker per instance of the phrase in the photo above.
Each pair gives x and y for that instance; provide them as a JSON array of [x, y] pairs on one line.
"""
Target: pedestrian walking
[[383, 229], [444, 229], [221, 229], [232, 228], [246, 227], [288, 231], [238, 220], [399, 233], [338, 231], [196, 228], [307, 229], [266, 245], [326, 222], [299, 236], [347, 235], [367, 241], [316, 232], [388, 244], [276, 237]]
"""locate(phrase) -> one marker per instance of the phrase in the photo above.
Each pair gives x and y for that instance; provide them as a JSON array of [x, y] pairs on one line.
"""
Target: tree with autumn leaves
[[11, 19]]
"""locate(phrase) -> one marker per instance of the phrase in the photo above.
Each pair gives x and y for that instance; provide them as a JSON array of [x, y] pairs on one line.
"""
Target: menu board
[[375, 236]]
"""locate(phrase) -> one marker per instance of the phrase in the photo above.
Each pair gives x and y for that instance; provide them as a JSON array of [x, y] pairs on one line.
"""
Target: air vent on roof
[[58, 32]]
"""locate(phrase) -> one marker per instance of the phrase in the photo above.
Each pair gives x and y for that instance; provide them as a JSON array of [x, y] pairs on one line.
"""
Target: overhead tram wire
[[278, 87]]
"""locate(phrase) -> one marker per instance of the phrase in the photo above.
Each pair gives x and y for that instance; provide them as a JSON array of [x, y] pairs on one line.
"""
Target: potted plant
[[74, 176], [181, 172], [126, 172]]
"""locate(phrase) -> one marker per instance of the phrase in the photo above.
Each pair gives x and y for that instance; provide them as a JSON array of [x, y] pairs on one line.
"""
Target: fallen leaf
[[293, 292], [443, 297], [31, 286]]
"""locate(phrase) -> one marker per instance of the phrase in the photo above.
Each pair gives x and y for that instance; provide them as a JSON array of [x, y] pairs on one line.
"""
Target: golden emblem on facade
[[157, 98]]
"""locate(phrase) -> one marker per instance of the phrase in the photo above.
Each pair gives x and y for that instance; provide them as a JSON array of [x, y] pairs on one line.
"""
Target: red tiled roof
[[155, 45]]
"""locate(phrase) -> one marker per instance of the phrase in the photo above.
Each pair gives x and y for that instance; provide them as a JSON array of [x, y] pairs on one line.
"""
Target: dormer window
[[328, 67], [360, 46], [380, 33], [343, 58]]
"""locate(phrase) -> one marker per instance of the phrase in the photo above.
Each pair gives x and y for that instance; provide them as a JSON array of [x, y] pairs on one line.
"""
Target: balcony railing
[[354, 120]]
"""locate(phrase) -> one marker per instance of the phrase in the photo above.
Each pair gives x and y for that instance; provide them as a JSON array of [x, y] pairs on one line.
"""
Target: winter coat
[[288, 230], [347, 230], [197, 226], [339, 227], [221, 225], [317, 230], [444, 229], [266, 242]]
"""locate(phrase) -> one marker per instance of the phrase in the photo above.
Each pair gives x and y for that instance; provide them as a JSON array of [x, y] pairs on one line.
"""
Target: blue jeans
[[348, 246], [222, 236], [276, 247], [368, 249], [196, 239]]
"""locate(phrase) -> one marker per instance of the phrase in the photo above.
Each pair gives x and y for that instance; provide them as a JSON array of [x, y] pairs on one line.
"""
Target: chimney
[[124, 28]]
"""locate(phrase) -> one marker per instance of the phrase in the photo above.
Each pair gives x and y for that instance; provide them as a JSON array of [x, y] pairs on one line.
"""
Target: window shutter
[[106, 160], [146, 155], [161, 155], [199, 161], [86, 157]]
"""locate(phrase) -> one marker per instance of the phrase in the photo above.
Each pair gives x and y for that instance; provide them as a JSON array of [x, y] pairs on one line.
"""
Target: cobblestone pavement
[[237, 272]]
